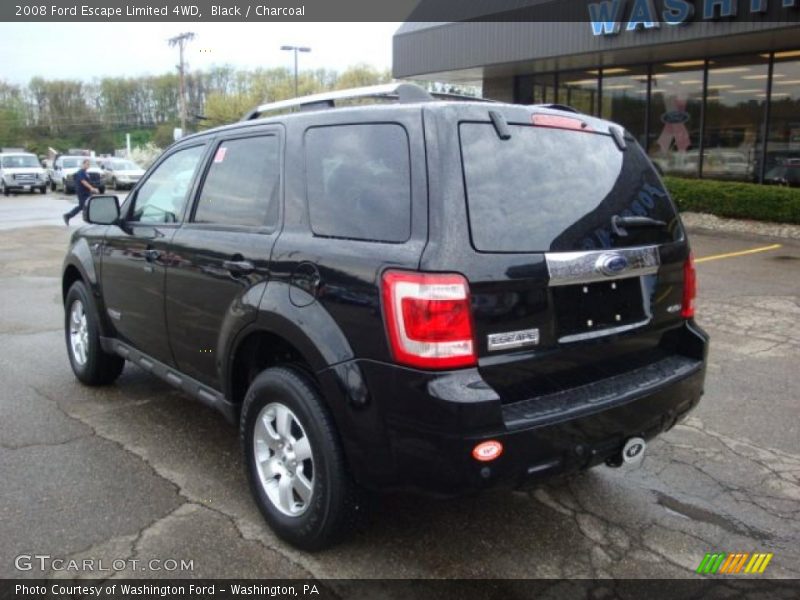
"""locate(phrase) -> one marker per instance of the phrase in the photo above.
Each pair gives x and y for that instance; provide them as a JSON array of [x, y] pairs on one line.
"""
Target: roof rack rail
[[565, 107], [401, 92]]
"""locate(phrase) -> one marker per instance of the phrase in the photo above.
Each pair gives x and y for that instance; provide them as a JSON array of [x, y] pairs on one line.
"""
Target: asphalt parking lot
[[139, 471]]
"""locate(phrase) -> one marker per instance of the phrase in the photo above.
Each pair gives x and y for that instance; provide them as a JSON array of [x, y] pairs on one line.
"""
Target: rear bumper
[[420, 431]]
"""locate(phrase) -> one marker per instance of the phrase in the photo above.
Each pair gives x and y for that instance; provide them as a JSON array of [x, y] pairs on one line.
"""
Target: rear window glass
[[359, 182], [548, 189]]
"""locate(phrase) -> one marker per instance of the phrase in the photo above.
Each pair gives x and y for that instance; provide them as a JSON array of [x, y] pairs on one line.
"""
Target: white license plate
[[27, 188]]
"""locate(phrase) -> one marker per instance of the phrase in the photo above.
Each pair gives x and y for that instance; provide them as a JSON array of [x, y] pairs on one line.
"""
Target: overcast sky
[[89, 50]]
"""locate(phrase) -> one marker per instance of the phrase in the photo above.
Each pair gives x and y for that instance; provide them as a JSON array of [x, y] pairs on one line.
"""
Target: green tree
[[361, 75], [163, 134]]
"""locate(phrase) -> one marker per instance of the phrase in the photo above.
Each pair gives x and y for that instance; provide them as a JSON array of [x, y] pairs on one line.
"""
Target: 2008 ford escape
[[424, 294]]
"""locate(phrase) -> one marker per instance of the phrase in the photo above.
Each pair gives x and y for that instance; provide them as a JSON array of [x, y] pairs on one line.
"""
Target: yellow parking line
[[740, 253]]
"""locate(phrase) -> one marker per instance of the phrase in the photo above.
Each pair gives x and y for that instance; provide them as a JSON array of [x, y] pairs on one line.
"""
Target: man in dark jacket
[[84, 189]]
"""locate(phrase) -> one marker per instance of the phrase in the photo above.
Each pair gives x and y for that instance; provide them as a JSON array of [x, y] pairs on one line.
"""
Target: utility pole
[[180, 41], [296, 49]]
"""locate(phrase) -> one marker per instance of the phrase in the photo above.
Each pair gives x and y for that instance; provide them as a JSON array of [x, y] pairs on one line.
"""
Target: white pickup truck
[[21, 172]]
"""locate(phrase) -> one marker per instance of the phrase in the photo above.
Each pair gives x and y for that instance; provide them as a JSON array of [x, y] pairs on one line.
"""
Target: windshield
[[554, 189], [20, 161], [75, 163], [125, 165]]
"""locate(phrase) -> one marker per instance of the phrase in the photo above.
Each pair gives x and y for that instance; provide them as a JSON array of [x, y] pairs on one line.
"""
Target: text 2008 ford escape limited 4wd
[[426, 294]]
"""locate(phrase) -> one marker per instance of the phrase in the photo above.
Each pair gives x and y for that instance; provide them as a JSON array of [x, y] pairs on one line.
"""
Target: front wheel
[[102, 189], [294, 461], [90, 363]]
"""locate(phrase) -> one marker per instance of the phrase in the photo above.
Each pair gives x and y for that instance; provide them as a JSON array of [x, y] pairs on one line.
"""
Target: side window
[[359, 182], [242, 184], [162, 197]]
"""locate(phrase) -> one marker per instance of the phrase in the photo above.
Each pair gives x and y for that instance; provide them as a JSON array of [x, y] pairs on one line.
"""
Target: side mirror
[[102, 210]]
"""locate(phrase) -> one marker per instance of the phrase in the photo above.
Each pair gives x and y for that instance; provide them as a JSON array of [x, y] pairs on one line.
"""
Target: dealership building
[[708, 93]]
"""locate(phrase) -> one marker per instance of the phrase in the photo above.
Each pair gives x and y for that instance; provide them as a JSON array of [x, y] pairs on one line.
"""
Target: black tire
[[5, 190], [102, 189], [114, 184], [43, 189], [52, 186], [96, 367], [332, 509]]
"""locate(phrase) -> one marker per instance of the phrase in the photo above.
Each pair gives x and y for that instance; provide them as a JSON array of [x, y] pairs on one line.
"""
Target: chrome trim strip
[[590, 335], [567, 268]]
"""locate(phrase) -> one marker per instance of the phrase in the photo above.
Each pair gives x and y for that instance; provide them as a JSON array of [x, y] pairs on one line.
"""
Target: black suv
[[426, 294]]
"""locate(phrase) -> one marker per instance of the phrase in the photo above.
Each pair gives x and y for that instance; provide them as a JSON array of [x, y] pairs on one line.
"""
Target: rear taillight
[[689, 287], [428, 319]]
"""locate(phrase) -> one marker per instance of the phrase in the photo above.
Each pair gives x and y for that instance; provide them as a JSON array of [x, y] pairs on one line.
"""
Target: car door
[[135, 253], [220, 256]]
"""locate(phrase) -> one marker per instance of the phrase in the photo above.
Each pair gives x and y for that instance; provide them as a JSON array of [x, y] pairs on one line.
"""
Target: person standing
[[84, 189]]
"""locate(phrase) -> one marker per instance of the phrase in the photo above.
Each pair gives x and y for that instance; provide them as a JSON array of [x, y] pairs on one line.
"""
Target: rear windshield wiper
[[619, 225]]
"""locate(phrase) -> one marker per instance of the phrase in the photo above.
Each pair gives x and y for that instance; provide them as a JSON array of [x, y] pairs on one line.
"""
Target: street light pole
[[296, 49]]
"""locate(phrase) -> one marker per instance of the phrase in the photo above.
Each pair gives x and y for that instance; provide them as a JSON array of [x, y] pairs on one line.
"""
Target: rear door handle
[[239, 267]]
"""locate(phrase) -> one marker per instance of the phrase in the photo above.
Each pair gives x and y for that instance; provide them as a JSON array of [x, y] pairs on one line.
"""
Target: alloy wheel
[[79, 333], [284, 459]]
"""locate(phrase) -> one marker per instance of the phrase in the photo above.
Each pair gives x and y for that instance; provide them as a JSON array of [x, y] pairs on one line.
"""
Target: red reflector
[[559, 122], [689, 287], [428, 319], [486, 451]]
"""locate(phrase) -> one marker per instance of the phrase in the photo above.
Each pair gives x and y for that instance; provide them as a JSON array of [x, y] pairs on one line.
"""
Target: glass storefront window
[[579, 90], [675, 107], [783, 147], [625, 98], [537, 89], [735, 103]]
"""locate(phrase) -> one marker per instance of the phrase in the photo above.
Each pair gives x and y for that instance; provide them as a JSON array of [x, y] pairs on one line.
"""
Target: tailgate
[[578, 255]]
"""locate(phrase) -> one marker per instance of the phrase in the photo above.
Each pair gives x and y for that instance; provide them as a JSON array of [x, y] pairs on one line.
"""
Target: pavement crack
[[14, 447], [698, 513], [240, 526]]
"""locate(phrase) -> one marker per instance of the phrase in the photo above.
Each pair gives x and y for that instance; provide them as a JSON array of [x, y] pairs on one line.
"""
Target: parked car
[[121, 173], [21, 172], [442, 296], [727, 164], [64, 170], [786, 174]]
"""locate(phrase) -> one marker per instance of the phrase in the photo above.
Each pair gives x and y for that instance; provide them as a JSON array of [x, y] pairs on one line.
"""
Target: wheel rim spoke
[[302, 486], [283, 421], [302, 449], [263, 434], [285, 495], [273, 468]]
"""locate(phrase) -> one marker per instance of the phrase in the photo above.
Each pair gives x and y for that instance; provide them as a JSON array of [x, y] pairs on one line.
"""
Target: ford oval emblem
[[675, 117], [611, 264]]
